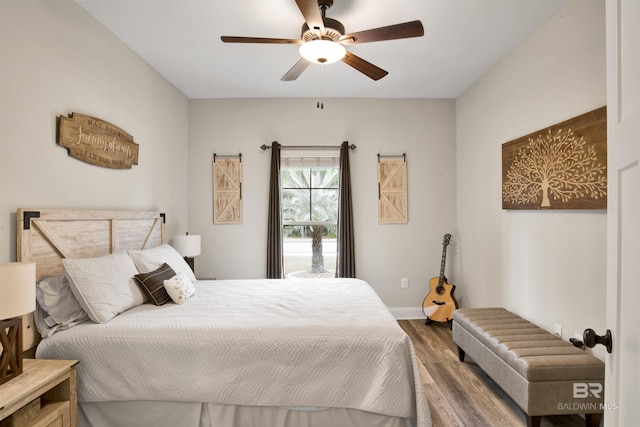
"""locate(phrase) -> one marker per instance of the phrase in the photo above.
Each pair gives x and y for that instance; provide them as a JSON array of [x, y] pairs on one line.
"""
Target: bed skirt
[[186, 414]]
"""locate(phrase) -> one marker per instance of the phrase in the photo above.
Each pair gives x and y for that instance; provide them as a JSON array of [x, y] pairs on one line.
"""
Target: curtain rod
[[308, 147], [227, 156], [403, 155]]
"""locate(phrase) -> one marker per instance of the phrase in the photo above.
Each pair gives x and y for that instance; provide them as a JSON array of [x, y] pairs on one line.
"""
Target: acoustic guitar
[[439, 304]]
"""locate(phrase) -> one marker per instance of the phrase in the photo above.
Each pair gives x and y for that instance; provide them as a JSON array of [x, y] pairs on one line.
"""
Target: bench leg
[[534, 421], [592, 420], [460, 354]]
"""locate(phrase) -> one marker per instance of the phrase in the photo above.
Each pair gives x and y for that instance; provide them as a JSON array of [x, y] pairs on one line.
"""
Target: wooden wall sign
[[97, 142], [392, 190], [561, 167], [227, 189]]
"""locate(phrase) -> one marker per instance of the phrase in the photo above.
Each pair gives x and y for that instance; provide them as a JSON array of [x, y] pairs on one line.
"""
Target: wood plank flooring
[[461, 394]]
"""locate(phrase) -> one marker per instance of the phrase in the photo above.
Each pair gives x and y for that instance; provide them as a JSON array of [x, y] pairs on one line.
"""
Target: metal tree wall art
[[561, 167]]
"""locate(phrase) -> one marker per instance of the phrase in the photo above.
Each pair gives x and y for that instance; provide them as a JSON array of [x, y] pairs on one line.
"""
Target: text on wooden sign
[[96, 141]]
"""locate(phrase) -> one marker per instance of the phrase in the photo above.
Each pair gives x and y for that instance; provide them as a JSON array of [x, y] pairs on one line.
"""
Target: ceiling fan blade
[[367, 68], [296, 70], [267, 40], [311, 13], [391, 32]]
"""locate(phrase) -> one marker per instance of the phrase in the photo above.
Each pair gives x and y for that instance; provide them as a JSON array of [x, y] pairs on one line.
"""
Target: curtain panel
[[275, 261], [346, 258]]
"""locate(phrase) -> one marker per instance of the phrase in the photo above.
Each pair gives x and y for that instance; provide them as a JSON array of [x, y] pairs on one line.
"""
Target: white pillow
[[148, 260], [179, 288], [57, 308], [104, 286]]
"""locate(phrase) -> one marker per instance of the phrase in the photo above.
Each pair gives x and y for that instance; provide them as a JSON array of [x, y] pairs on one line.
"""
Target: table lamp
[[188, 246], [17, 298]]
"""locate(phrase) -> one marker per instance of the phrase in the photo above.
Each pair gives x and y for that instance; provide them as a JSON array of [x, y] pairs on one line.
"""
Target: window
[[310, 214]]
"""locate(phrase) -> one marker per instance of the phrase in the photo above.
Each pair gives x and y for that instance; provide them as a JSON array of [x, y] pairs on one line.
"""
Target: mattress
[[325, 343]]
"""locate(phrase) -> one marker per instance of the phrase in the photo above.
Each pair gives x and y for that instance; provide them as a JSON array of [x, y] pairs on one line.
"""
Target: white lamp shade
[[187, 245], [17, 289], [322, 51]]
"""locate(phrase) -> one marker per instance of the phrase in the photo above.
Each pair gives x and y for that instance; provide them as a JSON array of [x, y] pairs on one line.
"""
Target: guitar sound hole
[[440, 290]]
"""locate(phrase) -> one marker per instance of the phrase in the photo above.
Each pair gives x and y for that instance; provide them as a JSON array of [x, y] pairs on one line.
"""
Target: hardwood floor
[[461, 394]]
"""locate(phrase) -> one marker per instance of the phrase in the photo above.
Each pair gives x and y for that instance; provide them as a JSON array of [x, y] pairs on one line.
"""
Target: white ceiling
[[181, 40]]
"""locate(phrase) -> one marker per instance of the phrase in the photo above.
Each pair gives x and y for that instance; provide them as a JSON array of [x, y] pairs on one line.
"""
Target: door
[[622, 385]]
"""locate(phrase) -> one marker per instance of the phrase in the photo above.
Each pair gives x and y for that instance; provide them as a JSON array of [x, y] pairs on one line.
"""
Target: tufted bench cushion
[[537, 369]]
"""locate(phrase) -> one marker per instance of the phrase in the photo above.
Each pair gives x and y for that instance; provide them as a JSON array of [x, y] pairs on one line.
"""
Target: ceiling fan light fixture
[[322, 51]]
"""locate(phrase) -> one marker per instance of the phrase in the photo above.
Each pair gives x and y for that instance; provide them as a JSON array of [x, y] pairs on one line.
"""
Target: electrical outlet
[[404, 282], [558, 330]]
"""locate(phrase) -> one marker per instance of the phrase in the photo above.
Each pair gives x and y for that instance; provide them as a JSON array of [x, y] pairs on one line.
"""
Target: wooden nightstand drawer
[[54, 414], [24, 415]]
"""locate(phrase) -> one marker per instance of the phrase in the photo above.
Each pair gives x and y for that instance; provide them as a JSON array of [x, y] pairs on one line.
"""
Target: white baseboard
[[407, 313]]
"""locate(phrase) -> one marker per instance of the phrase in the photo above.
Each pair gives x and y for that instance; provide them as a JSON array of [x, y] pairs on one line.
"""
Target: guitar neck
[[442, 263]]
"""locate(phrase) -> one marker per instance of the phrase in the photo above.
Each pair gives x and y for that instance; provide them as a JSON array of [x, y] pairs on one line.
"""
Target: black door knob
[[590, 339]]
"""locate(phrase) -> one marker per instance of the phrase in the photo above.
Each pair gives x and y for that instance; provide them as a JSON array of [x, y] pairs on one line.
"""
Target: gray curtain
[[346, 260], [275, 263]]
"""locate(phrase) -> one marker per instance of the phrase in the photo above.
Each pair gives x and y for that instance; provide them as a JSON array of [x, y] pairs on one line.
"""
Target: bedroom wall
[[423, 129], [56, 59], [548, 266]]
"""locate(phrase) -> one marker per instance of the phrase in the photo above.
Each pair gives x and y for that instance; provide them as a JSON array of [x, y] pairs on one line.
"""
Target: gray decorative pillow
[[151, 259], [104, 286], [152, 283]]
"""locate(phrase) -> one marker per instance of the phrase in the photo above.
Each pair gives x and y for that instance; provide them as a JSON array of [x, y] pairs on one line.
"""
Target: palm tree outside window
[[310, 212]]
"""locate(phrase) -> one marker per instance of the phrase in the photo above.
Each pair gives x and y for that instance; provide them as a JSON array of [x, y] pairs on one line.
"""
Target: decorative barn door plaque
[[561, 167], [392, 190], [227, 189], [97, 142]]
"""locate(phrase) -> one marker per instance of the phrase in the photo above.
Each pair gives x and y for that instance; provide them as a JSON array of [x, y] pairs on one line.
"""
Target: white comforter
[[307, 343]]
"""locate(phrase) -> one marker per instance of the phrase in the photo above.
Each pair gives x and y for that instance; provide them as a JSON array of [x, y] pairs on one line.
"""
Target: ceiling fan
[[323, 39]]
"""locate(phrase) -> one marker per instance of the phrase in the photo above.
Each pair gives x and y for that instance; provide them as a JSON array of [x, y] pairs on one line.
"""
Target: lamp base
[[191, 262], [11, 357]]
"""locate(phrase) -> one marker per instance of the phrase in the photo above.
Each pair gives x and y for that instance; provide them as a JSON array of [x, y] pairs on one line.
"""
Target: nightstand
[[44, 395]]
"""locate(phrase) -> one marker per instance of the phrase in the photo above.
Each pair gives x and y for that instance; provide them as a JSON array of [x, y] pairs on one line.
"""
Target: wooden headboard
[[46, 236]]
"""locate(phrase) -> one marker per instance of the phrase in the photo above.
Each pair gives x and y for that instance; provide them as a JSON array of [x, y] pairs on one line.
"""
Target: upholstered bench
[[542, 373]]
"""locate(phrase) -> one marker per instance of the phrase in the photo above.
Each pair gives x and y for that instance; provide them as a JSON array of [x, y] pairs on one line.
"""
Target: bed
[[308, 352]]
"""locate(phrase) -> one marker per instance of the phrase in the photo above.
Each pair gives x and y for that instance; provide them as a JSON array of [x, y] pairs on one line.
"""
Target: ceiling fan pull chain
[[320, 103]]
